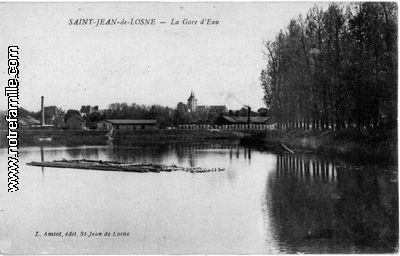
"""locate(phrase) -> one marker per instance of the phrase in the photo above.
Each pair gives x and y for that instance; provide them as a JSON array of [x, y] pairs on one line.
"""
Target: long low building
[[228, 120], [127, 124]]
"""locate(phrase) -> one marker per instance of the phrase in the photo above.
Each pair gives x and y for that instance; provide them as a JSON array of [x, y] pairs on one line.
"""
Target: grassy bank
[[379, 146]]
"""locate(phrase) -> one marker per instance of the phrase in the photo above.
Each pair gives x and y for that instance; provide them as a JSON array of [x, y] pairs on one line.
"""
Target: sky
[[87, 65]]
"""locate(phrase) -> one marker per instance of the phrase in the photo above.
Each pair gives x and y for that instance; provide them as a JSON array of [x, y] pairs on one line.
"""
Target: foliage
[[335, 67], [71, 112]]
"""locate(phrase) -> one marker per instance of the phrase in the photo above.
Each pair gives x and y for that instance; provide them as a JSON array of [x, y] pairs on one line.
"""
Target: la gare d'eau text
[[139, 22]]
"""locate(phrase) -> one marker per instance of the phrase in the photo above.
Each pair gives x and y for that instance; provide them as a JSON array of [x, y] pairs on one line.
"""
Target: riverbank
[[122, 137], [365, 147], [56, 137], [146, 137], [368, 146]]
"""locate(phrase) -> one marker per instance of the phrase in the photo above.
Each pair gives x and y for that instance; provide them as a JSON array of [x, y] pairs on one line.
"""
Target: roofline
[[128, 120]]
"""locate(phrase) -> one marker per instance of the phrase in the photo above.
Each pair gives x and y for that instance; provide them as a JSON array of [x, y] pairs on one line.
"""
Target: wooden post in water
[[321, 169], [294, 166], [286, 164], [42, 157], [307, 168], [279, 163], [327, 169], [313, 168], [301, 167]]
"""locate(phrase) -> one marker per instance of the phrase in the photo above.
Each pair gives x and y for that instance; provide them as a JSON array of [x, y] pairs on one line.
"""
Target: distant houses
[[228, 120], [262, 111], [218, 109], [76, 122], [127, 124], [87, 109], [28, 122], [193, 107], [52, 113], [186, 115]]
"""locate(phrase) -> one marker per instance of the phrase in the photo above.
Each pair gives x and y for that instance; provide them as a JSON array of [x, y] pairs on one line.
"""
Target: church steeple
[[192, 102]]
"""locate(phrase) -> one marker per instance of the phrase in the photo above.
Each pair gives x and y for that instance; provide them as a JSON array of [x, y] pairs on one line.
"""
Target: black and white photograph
[[199, 128]]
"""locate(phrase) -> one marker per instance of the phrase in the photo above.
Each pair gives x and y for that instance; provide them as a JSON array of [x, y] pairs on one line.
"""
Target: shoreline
[[378, 147], [121, 138]]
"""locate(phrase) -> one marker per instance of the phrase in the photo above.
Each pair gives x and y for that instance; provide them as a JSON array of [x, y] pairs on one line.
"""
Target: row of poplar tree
[[334, 68]]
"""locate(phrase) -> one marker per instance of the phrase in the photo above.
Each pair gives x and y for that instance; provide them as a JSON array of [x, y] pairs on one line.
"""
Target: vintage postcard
[[198, 128]]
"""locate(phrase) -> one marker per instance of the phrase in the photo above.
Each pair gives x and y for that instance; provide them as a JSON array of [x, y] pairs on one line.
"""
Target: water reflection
[[273, 203], [173, 213], [42, 157], [318, 206], [186, 155]]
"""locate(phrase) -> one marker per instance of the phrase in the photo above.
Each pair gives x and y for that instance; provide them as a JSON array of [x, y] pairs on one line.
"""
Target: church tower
[[192, 102]]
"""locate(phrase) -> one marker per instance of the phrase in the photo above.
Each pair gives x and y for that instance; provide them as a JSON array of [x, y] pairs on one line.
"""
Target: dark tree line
[[335, 68]]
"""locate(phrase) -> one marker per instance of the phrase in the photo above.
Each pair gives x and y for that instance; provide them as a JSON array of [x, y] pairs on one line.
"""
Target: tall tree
[[337, 67]]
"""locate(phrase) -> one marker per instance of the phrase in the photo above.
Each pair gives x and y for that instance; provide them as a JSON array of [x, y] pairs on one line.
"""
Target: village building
[[231, 120], [262, 111], [192, 102], [242, 112], [58, 122], [192, 106], [86, 110], [127, 124], [219, 109], [76, 122], [104, 125], [28, 122], [52, 112]]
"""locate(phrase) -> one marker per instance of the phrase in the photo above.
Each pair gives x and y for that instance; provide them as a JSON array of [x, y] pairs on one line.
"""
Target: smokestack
[[42, 121], [230, 113], [248, 114], [237, 113]]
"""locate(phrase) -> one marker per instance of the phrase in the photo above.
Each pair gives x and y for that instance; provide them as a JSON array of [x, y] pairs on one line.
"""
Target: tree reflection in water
[[318, 206]]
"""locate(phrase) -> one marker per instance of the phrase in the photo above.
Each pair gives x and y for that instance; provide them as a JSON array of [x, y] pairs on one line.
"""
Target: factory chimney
[[42, 120], [248, 114]]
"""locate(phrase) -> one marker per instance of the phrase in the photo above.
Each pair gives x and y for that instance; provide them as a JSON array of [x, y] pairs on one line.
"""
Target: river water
[[263, 203]]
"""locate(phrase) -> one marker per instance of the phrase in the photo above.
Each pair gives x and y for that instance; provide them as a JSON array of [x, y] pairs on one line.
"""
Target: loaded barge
[[118, 166]]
